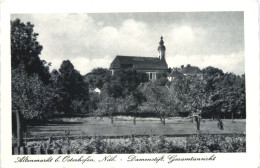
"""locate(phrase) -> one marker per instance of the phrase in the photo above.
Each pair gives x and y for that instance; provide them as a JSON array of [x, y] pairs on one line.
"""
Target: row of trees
[[213, 94], [119, 93]]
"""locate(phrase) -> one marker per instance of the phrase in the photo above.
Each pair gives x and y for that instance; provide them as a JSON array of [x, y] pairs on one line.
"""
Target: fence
[[32, 151], [120, 136]]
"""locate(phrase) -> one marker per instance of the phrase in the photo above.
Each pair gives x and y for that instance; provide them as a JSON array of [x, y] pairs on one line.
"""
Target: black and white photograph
[[129, 84], [123, 83]]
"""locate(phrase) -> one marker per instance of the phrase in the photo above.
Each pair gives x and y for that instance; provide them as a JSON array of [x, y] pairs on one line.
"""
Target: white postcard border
[[250, 8]]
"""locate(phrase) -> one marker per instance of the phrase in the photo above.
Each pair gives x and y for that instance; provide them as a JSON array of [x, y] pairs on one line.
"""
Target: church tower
[[161, 50]]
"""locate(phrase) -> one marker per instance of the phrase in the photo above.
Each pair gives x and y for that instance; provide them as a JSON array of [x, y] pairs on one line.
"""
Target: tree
[[120, 94], [242, 96], [161, 79], [213, 99], [107, 106], [124, 82], [73, 89], [31, 98], [113, 88], [98, 77], [129, 104], [93, 101], [187, 94], [197, 95], [158, 101], [25, 49], [180, 89], [232, 90]]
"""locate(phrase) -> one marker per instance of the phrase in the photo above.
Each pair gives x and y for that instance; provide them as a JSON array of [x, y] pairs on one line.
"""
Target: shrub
[[202, 143]]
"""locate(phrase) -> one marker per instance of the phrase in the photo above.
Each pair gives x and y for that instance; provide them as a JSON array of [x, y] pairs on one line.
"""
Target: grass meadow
[[123, 126]]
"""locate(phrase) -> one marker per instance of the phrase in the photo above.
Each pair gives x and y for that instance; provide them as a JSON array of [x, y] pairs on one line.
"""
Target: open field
[[123, 126]]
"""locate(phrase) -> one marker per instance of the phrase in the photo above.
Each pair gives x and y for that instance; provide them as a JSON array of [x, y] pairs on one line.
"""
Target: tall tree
[[54, 82], [73, 89], [31, 99], [232, 88], [179, 95], [25, 49], [124, 82], [98, 77], [158, 101], [31, 96]]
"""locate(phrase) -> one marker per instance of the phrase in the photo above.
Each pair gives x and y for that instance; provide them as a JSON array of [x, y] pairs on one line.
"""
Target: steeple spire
[[161, 49], [161, 42]]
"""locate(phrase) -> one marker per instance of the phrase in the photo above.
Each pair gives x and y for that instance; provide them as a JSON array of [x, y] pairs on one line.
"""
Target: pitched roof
[[151, 63]]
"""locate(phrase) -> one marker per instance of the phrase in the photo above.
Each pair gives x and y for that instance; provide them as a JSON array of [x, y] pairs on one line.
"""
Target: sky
[[93, 40]]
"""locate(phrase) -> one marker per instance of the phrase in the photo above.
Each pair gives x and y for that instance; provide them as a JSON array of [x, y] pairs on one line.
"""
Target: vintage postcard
[[157, 86]]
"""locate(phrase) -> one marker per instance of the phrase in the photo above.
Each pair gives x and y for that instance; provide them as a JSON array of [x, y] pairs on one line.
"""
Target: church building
[[152, 66]]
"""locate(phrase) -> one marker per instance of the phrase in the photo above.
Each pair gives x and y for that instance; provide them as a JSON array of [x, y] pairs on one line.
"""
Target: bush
[[202, 143], [99, 145]]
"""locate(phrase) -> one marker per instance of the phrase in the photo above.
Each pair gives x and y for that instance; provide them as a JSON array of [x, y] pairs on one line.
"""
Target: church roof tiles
[[138, 63]]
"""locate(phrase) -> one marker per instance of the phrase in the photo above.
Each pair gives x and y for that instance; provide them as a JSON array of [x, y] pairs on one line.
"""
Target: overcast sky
[[93, 40]]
